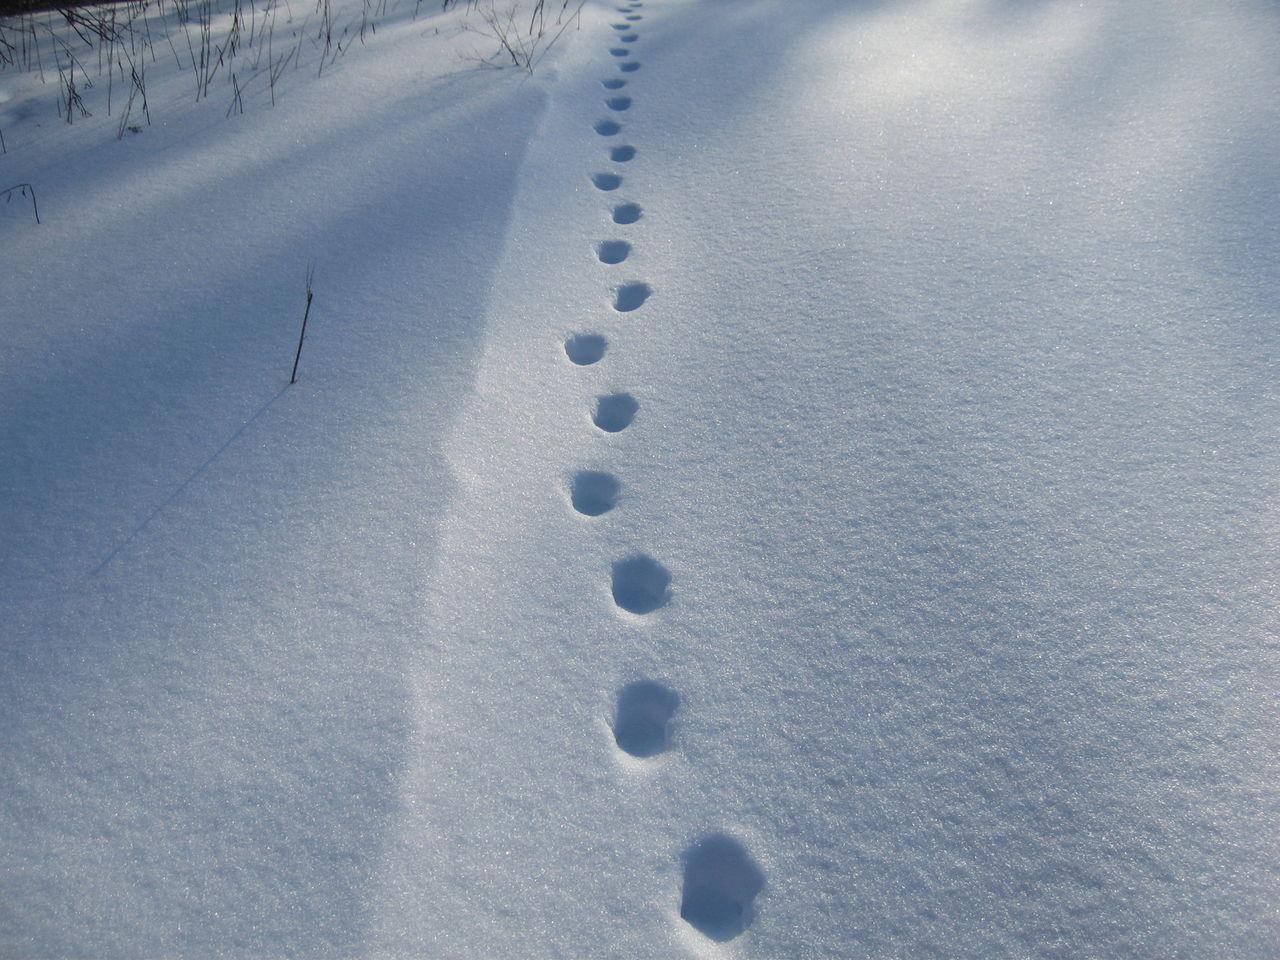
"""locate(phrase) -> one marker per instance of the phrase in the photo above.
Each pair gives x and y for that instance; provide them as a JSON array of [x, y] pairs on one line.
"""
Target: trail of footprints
[[721, 880]]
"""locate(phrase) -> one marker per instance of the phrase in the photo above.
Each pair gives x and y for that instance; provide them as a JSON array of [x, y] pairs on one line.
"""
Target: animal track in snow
[[615, 411], [626, 213], [606, 181], [620, 51], [631, 296], [634, 18], [629, 37], [622, 154], [630, 66], [642, 718], [618, 104], [607, 128], [613, 251], [621, 27], [641, 584], [585, 349], [613, 84], [593, 493], [721, 883]]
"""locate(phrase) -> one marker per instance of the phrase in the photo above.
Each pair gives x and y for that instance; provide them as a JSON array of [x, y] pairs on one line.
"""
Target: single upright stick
[[293, 377]]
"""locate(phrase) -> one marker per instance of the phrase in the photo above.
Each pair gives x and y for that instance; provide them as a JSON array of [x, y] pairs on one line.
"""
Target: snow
[[814, 499], [210, 581]]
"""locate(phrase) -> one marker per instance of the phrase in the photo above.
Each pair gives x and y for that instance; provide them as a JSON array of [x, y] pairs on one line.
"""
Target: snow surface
[[917, 378]]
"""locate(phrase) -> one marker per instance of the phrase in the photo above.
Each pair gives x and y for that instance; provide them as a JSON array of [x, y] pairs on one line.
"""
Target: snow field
[[921, 437], [208, 583], [787, 480]]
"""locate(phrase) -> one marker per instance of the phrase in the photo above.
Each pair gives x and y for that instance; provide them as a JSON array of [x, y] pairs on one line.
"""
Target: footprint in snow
[[629, 37], [614, 412], [621, 27], [620, 52], [631, 296], [618, 104], [634, 18], [622, 154], [641, 584], [613, 251], [607, 128], [593, 493], [625, 213], [721, 883], [614, 84], [629, 67], [585, 349], [606, 181], [642, 718]]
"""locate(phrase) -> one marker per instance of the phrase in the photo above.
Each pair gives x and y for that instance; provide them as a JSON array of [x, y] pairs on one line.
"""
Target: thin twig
[[27, 189], [293, 377]]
